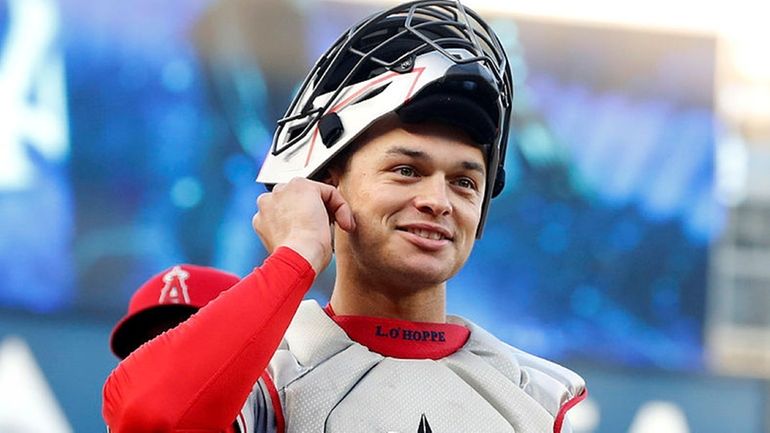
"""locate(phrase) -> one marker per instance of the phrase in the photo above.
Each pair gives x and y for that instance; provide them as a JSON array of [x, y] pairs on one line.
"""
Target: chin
[[425, 271], [402, 263]]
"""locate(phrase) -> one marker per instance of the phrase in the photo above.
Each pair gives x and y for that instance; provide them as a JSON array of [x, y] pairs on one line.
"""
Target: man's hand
[[298, 215]]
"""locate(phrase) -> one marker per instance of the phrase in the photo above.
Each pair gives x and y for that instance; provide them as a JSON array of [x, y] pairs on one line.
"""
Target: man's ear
[[331, 176]]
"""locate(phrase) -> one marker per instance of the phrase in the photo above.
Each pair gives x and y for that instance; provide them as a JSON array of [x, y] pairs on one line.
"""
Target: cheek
[[382, 200], [354, 193], [364, 203], [369, 210], [468, 215]]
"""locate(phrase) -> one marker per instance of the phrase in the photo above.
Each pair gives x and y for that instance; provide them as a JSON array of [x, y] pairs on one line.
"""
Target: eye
[[465, 182], [405, 170]]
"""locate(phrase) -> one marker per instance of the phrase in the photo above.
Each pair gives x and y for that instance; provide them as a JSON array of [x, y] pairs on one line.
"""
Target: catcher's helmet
[[424, 60]]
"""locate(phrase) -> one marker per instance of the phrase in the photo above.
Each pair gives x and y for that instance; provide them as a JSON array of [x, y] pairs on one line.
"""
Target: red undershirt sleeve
[[197, 376]]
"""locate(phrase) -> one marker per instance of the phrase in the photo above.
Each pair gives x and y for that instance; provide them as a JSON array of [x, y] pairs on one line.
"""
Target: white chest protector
[[329, 383]]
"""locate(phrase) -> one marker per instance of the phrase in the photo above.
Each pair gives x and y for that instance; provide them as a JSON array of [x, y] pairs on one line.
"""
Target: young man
[[397, 139]]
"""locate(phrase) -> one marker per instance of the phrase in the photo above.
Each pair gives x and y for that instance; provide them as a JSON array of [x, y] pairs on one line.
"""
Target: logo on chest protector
[[424, 426]]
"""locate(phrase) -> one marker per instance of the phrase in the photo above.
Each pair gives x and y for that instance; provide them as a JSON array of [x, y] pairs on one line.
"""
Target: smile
[[427, 231], [427, 234]]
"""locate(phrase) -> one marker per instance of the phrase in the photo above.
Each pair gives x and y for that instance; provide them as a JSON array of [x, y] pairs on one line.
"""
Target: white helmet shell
[[357, 111]]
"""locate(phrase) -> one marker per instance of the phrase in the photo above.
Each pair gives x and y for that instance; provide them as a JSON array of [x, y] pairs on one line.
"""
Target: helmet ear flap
[[499, 181]]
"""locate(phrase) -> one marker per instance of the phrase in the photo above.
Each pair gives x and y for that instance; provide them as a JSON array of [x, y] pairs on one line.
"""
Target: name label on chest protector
[[398, 333]]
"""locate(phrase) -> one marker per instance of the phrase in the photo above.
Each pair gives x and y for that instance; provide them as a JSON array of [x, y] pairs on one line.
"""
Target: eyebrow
[[417, 154], [398, 150]]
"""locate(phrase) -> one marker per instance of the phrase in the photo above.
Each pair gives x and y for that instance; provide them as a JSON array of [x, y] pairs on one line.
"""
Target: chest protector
[[329, 383]]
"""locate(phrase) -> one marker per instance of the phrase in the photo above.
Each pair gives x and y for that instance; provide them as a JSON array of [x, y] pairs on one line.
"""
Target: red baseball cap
[[166, 300]]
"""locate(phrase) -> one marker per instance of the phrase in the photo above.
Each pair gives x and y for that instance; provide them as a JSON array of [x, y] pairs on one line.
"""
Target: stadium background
[[630, 242]]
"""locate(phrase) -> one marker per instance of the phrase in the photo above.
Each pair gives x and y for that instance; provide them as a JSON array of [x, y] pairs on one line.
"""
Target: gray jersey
[[320, 380]]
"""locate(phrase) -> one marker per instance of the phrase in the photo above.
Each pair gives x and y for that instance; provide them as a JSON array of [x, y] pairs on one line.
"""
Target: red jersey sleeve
[[197, 376]]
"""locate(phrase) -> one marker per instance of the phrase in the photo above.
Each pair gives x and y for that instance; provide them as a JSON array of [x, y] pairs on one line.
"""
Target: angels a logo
[[424, 427], [175, 289]]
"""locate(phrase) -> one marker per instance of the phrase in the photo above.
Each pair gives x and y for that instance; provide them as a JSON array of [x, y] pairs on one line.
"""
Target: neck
[[361, 296]]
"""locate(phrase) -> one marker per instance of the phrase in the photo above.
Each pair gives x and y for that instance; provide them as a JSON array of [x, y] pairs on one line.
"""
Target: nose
[[433, 196]]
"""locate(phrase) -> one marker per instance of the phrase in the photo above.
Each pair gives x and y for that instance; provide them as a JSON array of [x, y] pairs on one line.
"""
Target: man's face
[[416, 193]]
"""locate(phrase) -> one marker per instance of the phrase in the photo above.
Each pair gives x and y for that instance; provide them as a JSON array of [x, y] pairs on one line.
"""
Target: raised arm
[[197, 376]]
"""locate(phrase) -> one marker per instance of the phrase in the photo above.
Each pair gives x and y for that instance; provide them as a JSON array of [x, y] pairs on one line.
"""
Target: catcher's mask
[[423, 60]]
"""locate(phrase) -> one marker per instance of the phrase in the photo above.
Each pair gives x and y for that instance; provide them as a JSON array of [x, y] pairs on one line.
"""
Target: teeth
[[427, 234]]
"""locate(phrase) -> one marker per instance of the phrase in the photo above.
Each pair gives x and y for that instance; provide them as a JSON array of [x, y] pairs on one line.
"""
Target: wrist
[[312, 251]]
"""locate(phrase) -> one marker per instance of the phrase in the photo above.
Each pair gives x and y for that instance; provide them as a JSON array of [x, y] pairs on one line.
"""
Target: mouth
[[425, 232]]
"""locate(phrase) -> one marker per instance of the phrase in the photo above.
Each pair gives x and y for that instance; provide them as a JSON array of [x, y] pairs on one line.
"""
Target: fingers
[[338, 208], [297, 214]]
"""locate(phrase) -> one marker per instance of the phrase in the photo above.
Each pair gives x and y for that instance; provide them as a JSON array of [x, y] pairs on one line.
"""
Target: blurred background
[[632, 242]]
